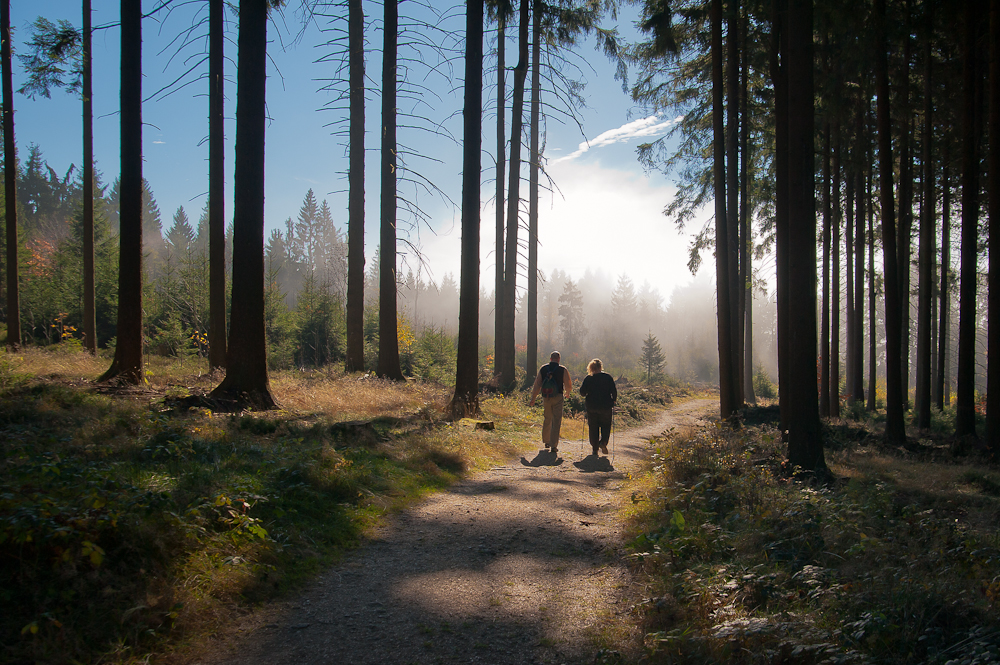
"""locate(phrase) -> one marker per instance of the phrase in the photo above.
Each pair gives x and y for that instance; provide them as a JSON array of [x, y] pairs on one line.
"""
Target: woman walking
[[601, 394]]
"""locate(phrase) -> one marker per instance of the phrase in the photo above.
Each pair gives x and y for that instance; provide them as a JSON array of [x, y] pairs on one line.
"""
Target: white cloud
[[654, 124], [605, 218]]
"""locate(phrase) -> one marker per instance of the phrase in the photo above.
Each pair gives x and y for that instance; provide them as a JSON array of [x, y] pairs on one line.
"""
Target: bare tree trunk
[[733, 192], [905, 228], [965, 408], [356, 190], [498, 296], [835, 318], [531, 360], [824, 334], [746, 268], [89, 297], [388, 340], [509, 360], [805, 439], [848, 272], [993, 183], [895, 432], [10, 185], [779, 77], [727, 393], [216, 186], [127, 363], [942, 368], [247, 381], [926, 250], [872, 308], [859, 291], [466, 399]]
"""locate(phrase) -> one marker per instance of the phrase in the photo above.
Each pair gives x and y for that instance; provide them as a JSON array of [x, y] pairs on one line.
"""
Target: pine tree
[[652, 356], [571, 314]]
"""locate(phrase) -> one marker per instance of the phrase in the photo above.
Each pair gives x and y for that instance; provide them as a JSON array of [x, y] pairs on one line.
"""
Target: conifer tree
[[652, 356]]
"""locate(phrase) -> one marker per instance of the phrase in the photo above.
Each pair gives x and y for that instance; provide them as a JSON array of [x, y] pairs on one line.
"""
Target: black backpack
[[551, 380]]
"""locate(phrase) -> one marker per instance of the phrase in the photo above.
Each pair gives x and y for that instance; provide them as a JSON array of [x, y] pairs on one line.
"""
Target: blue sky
[[606, 214]]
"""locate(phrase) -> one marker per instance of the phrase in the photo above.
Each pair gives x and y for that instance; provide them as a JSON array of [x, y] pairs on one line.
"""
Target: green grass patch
[[897, 561], [128, 525]]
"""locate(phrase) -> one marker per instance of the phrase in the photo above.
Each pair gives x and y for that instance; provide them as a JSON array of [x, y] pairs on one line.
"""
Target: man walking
[[554, 384]]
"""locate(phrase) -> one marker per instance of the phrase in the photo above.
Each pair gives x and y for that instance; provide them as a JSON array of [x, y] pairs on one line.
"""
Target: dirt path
[[518, 564]]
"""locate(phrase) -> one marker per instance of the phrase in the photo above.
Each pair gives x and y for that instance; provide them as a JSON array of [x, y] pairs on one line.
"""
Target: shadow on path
[[592, 463], [543, 458], [518, 564]]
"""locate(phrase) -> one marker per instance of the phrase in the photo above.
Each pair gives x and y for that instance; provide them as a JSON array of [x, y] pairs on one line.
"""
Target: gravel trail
[[517, 564]]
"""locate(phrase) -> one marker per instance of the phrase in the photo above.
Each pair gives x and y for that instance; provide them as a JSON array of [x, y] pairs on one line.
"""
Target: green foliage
[[279, 324], [149, 514], [434, 359], [763, 387], [860, 571], [652, 357], [322, 328], [54, 58], [571, 317]]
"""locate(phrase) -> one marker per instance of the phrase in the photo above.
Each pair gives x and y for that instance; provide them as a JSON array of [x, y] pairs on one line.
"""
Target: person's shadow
[[592, 463], [544, 458]]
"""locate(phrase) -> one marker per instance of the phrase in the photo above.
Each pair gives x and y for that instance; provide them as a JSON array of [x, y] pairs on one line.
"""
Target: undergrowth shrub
[[750, 567], [129, 524]]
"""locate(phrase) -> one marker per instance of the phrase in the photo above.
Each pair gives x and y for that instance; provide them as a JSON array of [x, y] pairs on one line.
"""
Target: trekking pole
[[613, 434]]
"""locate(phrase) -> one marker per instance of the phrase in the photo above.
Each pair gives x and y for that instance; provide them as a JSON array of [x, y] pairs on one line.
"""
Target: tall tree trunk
[[779, 77], [945, 309], [905, 228], [805, 440], [498, 296], [733, 193], [926, 249], [872, 306], [356, 189], [824, 328], [466, 399], [246, 381], [727, 377], [89, 297], [859, 289], [513, 200], [895, 432], [10, 185], [531, 360], [848, 271], [993, 183], [835, 317], [388, 341], [965, 407], [127, 363], [746, 268], [216, 186]]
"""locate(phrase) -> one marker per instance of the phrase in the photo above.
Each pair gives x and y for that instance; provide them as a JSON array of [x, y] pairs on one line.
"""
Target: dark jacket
[[599, 390]]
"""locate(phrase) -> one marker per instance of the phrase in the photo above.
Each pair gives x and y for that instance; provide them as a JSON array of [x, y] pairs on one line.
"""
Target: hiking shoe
[[604, 449]]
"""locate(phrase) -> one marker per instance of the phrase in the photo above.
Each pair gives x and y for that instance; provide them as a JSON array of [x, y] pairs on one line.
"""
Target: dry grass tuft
[[68, 365], [354, 396]]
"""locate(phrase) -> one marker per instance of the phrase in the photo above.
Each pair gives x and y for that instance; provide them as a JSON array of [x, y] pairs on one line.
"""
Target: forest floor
[[520, 563]]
